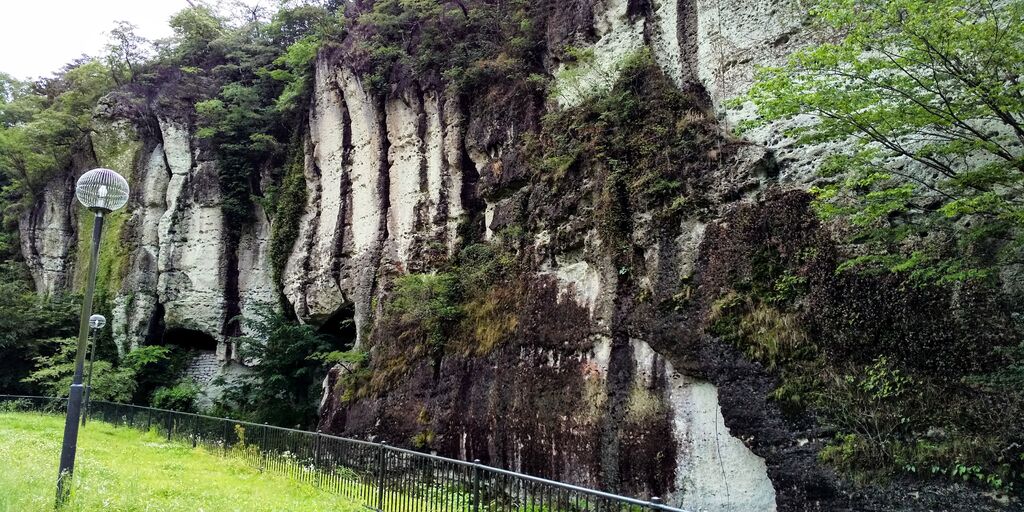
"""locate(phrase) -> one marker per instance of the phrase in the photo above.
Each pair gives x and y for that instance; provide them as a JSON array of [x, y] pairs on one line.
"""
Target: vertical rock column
[[335, 258], [135, 305], [48, 234], [191, 234], [384, 184]]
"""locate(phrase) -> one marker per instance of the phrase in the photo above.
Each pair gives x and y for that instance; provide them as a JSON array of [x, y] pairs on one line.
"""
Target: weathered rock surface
[[380, 185], [48, 234], [606, 377], [387, 184]]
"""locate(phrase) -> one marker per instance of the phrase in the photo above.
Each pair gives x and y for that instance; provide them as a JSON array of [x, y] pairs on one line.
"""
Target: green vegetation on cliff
[[920, 101], [466, 308], [287, 204], [653, 145], [926, 97], [443, 44]]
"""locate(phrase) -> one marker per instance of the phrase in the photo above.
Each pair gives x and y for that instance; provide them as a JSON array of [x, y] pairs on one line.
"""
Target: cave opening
[[196, 354], [190, 339], [193, 354], [340, 328]]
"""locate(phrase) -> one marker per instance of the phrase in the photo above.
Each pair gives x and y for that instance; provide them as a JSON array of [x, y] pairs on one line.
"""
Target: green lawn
[[120, 469]]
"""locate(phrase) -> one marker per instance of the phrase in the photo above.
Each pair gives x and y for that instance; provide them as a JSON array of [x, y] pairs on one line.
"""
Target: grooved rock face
[[133, 311], [48, 232], [176, 273], [384, 191], [190, 282], [570, 393]]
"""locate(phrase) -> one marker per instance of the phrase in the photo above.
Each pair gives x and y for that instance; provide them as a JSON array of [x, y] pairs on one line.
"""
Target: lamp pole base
[[68, 449]]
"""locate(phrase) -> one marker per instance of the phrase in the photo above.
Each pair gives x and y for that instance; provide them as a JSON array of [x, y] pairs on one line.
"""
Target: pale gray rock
[[256, 288], [407, 173], [350, 228], [48, 234], [717, 472], [619, 36], [190, 262], [134, 305]]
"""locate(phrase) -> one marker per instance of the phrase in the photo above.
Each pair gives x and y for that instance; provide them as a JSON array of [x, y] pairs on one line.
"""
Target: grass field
[[121, 470]]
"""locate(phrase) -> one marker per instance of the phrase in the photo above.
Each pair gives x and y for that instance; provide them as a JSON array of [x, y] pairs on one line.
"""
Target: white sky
[[39, 36]]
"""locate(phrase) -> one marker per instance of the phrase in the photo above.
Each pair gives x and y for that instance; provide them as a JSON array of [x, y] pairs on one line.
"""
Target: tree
[[11, 88], [42, 125], [287, 366], [26, 321], [926, 101], [127, 51], [111, 380], [194, 29], [249, 13]]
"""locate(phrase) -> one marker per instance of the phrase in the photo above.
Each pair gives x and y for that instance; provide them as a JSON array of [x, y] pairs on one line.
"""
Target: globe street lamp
[[101, 191], [96, 322]]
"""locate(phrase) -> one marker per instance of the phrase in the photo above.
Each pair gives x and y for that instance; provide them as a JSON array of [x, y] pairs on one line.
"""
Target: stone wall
[[203, 368]]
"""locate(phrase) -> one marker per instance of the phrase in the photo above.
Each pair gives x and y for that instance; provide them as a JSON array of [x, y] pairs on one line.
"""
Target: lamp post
[[101, 191], [96, 322]]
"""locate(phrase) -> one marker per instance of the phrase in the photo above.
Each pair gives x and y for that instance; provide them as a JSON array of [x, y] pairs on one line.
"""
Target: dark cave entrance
[[189, 339], [340, 328], [193, 353]]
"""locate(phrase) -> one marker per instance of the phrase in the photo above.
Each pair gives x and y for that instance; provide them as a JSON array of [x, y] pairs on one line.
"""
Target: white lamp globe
[[97, 321], [102, 189]]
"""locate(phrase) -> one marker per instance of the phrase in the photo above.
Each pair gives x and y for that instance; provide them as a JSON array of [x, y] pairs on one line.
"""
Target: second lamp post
[[96, 322]]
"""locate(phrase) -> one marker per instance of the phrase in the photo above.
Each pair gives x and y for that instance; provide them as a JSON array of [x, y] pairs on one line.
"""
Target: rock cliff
[[602, 367]]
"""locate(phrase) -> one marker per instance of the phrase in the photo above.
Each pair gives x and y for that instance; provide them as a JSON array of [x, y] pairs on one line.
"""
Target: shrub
[[27, 323], [429, 301], [180, 397], [763, 331], [890, 423]]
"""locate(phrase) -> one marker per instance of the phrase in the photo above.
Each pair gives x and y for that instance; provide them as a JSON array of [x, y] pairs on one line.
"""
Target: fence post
[[381, 467], [170, 424], [316, 449], [476, 485], [195, 430], [225, 434], [263, 448], [149, 419]]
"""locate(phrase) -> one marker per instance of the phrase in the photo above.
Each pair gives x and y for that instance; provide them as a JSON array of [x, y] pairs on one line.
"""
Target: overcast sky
[[39, 36]]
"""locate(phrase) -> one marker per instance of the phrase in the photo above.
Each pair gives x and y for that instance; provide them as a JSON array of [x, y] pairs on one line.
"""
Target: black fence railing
[[381, 477]]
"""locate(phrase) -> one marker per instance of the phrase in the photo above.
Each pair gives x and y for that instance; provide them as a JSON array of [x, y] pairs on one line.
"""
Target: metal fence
[[381, 477]]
